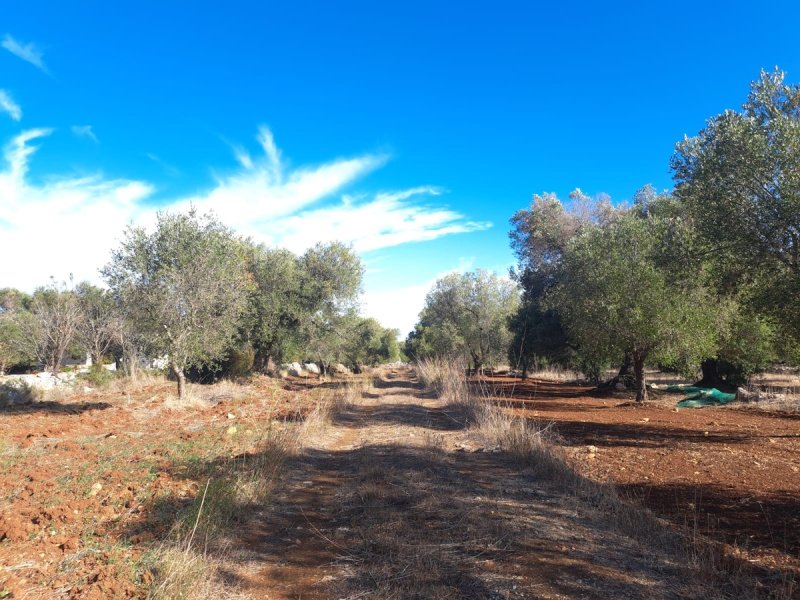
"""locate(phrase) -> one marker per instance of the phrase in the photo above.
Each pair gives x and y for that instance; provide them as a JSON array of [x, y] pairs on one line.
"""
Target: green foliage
[[183, 287], [614, 298], [466, 316], [16, 350], [100, 326], [49, 329], [367, 343], [539, 237], [301, 307], [98, 376], [740, 179], [276, 306], [746, 345], [240, 361], [23, 393]]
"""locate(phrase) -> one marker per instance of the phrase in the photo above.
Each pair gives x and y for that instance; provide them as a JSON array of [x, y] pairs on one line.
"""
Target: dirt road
[[397, 499]]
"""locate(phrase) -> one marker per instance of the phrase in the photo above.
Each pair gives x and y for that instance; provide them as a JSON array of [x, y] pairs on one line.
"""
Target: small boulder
[[312, 368], [296, 370]]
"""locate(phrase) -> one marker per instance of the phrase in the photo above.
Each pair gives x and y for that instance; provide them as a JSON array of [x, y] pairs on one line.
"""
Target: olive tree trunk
[[181, 377], [638, 373]]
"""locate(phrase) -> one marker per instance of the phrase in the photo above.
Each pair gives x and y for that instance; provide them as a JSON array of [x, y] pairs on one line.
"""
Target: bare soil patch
[[730, 474], [92, 485]]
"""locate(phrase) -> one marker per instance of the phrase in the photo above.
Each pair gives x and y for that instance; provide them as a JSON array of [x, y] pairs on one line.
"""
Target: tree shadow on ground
[[298, 385], [640, 435], [416, 521], [526, 390], [61, 408], [763, 524], [403, 384], [401, 414]]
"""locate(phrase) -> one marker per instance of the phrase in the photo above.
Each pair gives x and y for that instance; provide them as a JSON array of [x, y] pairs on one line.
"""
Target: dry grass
[[332, 402], [190, 565], [186, 574], [556, 374], [143, 379]]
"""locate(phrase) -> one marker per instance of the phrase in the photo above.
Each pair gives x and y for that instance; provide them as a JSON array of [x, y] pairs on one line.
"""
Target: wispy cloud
[[28, 52], [84, 131], [381, 221], [262, 189], [168, 168], [8, 105], [82, 217], [284, 207], [63, 225]]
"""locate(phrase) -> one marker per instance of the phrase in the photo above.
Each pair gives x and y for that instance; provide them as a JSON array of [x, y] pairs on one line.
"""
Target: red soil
[[732, 474]]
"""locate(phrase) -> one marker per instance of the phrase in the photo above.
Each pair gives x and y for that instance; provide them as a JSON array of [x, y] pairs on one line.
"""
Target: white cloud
[[263, 189], [65, 225], [399, 308], [84, 131], [27, 52], [385, 220], [396, 308], [8, 105]]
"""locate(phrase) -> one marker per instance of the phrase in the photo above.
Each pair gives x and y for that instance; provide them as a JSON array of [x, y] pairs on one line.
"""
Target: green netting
[[699, 397]]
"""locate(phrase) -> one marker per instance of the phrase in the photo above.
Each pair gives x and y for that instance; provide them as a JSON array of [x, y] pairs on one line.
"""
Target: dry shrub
[[556, 374], [225, 389], [187, 575], [142, 380], [24, 393], [445, 377]]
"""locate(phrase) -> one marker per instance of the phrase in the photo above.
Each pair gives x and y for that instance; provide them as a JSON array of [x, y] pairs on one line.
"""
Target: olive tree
[[49, 329], [100, 324], [615, 300], [276, 307], [740, 179], [183, 288], [539, 236], [15, 345], [467, 315]]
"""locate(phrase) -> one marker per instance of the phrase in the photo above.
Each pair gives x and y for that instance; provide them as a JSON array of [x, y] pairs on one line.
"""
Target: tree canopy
[[184, 287], [466, 315], [616, 300], [740, 179]]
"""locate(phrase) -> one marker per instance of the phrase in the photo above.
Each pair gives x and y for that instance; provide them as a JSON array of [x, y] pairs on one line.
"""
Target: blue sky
[[412, 130]]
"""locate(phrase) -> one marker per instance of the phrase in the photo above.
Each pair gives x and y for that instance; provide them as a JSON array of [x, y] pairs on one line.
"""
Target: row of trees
[[207, 300], [706, 276]]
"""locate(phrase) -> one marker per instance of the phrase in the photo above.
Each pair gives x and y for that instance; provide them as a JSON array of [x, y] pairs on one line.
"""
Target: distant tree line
[[206, 300], [704, 278]]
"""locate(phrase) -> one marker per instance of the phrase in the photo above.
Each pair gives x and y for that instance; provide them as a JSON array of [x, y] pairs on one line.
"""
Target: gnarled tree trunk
[[711, 377]]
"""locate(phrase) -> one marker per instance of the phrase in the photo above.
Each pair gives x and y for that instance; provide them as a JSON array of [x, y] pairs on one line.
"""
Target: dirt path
[[398, 500]]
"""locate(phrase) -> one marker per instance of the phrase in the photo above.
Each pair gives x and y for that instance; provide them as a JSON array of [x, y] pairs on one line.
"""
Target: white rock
[[296, 370], [340, 369]]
